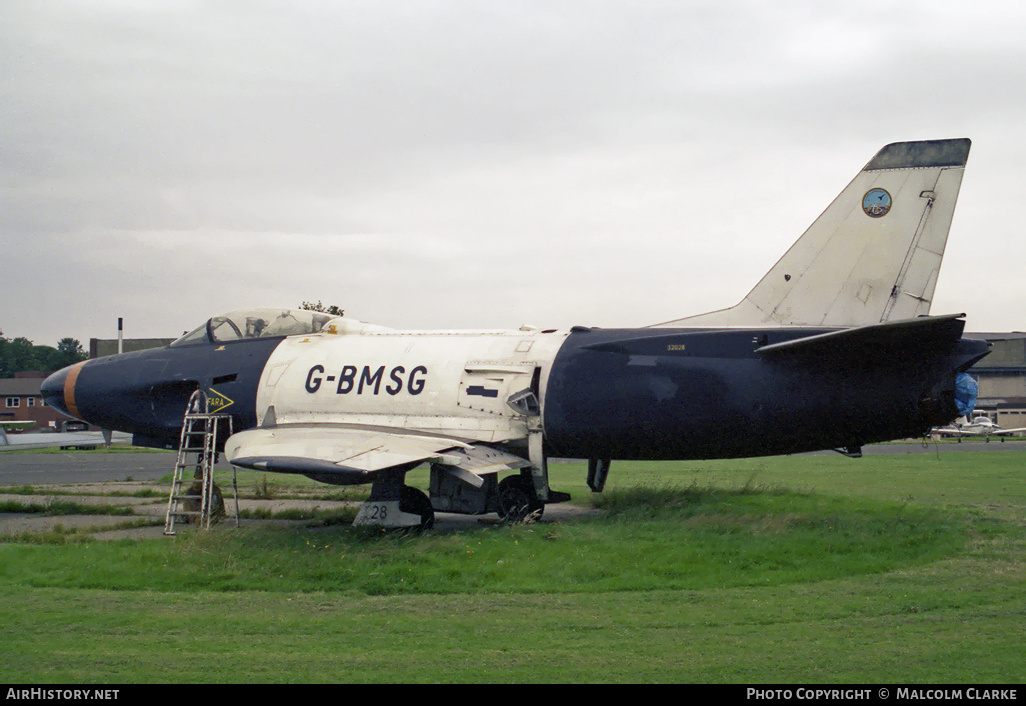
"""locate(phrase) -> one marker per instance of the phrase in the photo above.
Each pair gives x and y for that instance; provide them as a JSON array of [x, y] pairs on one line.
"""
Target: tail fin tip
[[925, 153], [872, 256]]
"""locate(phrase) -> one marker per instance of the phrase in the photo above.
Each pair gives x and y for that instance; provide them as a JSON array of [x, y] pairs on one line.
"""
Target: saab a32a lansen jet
[[832, 349]]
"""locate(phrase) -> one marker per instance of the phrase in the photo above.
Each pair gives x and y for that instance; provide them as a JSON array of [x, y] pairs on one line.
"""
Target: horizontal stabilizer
[[868, 341]]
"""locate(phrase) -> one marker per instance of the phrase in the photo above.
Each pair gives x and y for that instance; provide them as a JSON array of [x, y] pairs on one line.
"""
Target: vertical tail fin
[[874, 253]]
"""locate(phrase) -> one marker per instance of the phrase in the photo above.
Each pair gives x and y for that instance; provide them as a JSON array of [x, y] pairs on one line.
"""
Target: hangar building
[[1002, 378]]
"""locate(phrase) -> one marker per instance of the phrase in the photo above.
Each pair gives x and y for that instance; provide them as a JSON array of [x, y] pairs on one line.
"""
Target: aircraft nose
[[58, 390]]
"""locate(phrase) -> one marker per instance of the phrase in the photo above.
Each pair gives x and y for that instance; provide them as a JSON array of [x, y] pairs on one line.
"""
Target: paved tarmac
[[83, 467]]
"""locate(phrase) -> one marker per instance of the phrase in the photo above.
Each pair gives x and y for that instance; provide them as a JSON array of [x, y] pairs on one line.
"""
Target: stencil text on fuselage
[[368, 380]]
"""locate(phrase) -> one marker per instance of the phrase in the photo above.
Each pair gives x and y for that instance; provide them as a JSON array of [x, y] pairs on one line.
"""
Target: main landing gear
[[396, 505], [517, 501], [393, 504]]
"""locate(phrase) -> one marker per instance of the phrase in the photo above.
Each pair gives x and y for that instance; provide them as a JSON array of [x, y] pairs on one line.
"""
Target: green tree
[[18, 355], [44, 358], [69, 352], [21, 354]]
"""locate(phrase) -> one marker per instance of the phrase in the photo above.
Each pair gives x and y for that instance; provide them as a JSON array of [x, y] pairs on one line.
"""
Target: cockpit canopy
[[255, 323]]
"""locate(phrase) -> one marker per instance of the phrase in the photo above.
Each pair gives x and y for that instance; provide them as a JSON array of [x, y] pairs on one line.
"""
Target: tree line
[[21, 354]]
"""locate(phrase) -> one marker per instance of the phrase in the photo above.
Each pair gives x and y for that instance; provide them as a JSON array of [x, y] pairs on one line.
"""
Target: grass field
[[887, 569]]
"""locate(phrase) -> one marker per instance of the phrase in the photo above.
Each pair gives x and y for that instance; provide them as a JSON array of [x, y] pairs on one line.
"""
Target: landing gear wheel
[[517, 500], [415, 502]]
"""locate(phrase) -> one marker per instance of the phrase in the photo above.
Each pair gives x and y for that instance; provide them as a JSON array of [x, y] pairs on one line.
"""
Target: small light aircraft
[[48, 440], [836, 335], [976, 424]]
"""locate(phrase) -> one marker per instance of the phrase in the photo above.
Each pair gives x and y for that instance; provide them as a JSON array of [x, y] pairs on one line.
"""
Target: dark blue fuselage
[[145, 393], [699, 394], [611, 393]]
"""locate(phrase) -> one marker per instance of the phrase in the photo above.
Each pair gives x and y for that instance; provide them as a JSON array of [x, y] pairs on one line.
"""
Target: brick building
[[20, 401]]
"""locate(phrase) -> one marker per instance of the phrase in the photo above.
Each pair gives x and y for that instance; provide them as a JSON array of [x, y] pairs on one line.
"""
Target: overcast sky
[[478, 164]]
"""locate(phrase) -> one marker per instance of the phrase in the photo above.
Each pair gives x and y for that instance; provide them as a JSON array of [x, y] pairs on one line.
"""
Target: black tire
[[517, 500], [416, 502]]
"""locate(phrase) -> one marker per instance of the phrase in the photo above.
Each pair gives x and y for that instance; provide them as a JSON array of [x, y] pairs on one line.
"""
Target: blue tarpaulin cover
[[965, 394]]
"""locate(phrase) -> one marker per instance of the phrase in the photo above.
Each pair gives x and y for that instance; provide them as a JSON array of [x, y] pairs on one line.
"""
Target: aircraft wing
[[350, 455], [973, 432], [954, 431], [44, 440]]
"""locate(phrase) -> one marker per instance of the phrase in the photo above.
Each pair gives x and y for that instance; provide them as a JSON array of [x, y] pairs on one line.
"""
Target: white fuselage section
[[454, 383]]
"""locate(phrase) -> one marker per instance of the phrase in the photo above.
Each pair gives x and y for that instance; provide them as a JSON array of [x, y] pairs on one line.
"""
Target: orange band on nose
[[69, 389]]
